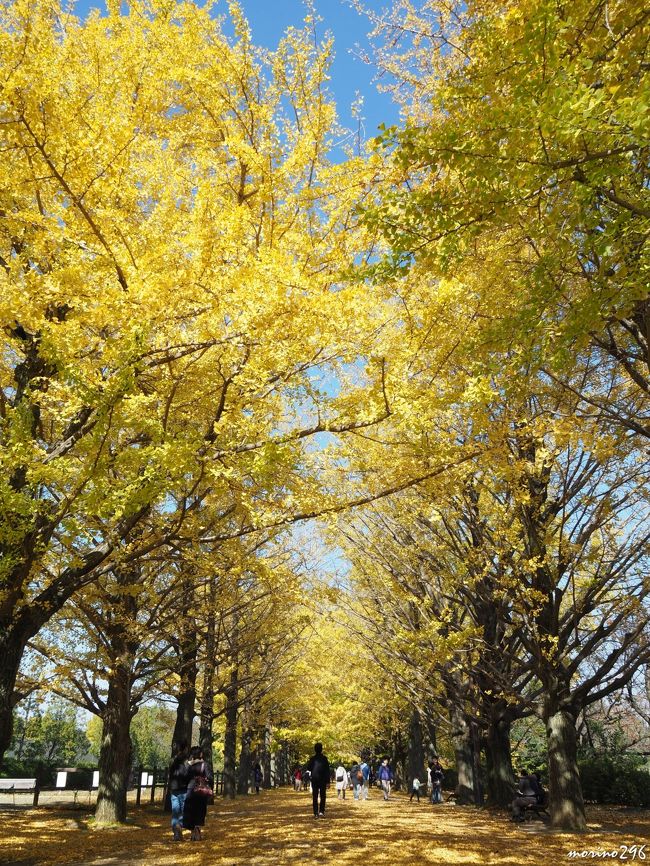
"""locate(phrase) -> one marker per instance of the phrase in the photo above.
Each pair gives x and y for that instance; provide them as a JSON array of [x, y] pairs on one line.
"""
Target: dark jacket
[[528, 787], [179, 775], [319, 767]]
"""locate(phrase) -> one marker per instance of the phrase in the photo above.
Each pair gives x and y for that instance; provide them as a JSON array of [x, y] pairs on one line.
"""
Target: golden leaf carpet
[[278, 828]]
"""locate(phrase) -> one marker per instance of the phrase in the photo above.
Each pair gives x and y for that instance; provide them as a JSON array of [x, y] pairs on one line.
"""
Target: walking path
[[278, 829]]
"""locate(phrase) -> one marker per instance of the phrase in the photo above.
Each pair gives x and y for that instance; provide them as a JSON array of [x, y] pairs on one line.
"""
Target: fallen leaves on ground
[[278, 828]]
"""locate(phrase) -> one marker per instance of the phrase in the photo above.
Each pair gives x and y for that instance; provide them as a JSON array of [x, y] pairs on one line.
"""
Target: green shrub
[[617, 780]]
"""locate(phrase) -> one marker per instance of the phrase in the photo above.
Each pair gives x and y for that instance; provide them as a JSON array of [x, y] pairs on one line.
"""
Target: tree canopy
[[322, 444]]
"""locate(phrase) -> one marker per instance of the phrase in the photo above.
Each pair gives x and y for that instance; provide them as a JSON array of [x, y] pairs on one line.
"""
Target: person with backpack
[[199, 791], [319, 773], [386, 777], [342, 780], [178, 780], [356, 776]]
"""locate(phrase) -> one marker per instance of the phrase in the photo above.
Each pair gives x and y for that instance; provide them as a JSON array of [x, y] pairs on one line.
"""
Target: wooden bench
[[14, 786], [537, 811]]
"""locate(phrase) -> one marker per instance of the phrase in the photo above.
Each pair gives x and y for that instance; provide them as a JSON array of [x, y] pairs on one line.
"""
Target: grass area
[[277, 828]]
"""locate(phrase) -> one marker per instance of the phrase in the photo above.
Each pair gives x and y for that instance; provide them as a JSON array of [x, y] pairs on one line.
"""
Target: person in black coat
[[196, 804], [319, 768], [258, 777]]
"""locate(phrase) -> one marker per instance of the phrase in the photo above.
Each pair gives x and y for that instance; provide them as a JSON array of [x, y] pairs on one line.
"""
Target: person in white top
[[342, 781]]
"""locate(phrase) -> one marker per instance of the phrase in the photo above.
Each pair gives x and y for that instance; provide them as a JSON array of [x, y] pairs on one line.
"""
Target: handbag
[[201, 786]]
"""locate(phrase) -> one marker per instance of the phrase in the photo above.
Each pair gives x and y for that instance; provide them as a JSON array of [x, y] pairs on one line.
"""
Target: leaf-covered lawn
[[278, 828]]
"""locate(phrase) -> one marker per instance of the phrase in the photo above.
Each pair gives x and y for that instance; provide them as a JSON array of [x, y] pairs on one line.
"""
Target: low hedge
[[615, 781]]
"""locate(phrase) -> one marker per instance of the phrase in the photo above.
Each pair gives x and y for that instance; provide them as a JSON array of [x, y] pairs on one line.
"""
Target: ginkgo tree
[[191, 357], [107, 652], [171, 239], [522, 588], [524, 159], [516, 191], [333, 694]]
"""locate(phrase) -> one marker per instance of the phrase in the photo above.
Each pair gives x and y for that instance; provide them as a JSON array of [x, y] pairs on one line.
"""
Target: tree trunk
[[230, 737], [566, 802], [565, 791], [431, 734], [11, 651], [462, 739], [115, 752], [498, 764], [268, 759], [206, 736], [476, 755], [19, 747], [182, 735], [184, 718], [415, 757], [187, 650], [245, 761], [283, 764]]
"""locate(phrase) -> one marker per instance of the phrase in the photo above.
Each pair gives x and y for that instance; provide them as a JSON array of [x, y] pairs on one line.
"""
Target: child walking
[[415, 790]]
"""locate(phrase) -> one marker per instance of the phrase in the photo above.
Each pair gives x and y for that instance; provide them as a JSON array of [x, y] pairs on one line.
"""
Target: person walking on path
[[365, 786], [415, 790], [297, 779], [178, 780], [437, 775], [257, 777], [342, 781], [198, 794], [319, 770], [385, 776]]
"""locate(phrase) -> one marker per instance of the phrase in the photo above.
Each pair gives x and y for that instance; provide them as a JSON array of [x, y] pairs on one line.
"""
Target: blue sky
[[350, 75]]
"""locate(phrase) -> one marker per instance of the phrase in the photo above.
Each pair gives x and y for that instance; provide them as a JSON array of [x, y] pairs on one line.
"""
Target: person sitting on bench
[[528, 793]]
